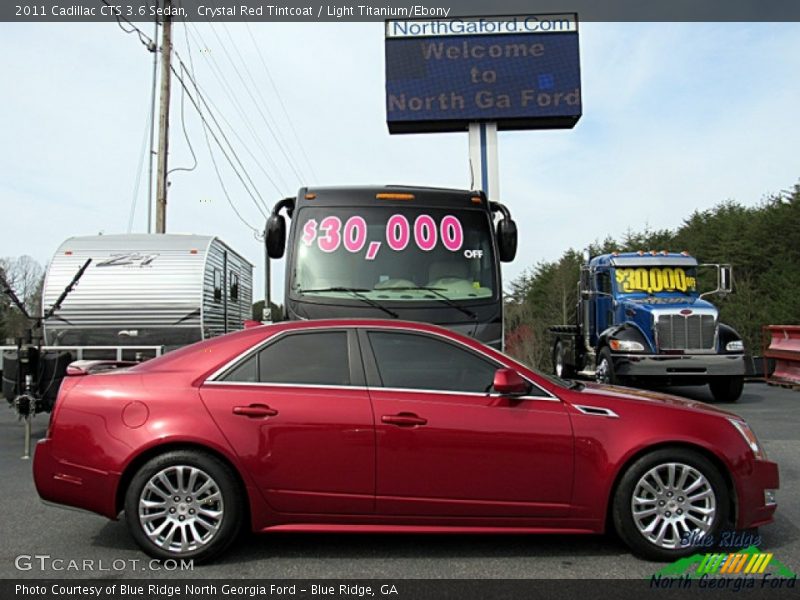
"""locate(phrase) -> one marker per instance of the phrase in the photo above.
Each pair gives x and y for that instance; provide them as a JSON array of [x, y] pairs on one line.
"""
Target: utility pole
[[163, 120], [151, 154]]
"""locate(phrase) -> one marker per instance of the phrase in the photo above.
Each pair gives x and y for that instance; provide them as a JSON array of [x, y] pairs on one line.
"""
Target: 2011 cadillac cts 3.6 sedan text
[[388, 426]]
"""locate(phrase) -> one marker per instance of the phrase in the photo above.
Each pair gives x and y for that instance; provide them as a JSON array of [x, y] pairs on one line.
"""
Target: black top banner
[[366, 10]]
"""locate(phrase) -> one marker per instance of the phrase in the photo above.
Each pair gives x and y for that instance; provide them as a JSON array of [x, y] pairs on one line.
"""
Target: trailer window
[[234, 291], [217, 285]]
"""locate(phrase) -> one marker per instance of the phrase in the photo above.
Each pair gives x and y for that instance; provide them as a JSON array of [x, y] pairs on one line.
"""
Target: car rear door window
[[426, 363], [299, 358]]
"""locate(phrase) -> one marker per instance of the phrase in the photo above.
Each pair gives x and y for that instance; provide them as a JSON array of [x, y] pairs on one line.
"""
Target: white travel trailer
[[147, 290]]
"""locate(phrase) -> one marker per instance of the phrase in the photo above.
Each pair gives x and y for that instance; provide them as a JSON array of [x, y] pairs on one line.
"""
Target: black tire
[[566, 371], [230, 505], [608, 376], [726, 389], [622, 504]]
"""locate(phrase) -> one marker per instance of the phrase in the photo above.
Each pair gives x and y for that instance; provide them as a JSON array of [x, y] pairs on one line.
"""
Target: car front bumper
[[752, 508]]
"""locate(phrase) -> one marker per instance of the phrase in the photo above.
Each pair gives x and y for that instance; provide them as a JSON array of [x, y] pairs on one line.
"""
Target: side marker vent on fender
[[597, 411]]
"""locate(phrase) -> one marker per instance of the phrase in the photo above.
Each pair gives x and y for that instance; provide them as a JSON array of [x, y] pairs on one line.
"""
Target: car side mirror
[[507, 239], [510, 383], [275, 236]]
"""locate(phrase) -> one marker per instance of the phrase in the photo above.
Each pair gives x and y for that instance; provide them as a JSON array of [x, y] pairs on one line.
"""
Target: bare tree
[[26, 277]]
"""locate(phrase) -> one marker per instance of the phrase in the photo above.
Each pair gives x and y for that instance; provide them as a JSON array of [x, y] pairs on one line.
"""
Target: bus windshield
[[393, 254]]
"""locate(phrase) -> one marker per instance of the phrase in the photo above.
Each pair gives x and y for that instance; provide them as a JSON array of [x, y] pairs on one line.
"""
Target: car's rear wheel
[[667, 501], [184, 504]]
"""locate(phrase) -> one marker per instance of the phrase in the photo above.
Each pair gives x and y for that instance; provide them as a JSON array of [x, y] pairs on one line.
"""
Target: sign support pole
[[483, 158]]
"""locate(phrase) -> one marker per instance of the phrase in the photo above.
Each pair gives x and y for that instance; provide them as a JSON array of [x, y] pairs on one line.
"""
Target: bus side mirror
[[507, 239], [276, 236]]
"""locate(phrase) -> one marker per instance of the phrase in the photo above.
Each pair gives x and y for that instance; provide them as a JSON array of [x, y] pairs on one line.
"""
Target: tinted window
[[303, 358], [422, 362], [246, 372]]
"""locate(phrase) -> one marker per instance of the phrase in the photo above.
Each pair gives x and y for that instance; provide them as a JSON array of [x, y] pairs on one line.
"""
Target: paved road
[[28, 527]]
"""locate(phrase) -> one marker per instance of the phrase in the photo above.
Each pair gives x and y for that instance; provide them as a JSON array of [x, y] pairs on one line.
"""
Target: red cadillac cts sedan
[[389, 426]]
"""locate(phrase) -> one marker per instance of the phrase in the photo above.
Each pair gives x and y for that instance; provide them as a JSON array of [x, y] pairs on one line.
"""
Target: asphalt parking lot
[[28, 527]]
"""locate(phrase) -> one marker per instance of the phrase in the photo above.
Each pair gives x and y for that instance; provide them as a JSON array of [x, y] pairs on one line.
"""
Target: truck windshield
[[393, 254], [652, 280]]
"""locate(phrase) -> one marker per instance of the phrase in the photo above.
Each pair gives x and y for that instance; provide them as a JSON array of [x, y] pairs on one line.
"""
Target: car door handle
[[255, 411], [404, 420]]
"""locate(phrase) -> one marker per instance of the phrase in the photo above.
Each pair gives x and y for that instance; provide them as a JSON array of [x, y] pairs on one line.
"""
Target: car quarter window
[[422, 362], [318, 358]]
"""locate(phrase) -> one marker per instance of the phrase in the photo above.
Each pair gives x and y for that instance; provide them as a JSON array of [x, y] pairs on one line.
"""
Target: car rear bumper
[[65, 483], [753, 511], [679, 365]]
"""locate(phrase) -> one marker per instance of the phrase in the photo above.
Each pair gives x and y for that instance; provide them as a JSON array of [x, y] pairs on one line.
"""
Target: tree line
[[761, 242]]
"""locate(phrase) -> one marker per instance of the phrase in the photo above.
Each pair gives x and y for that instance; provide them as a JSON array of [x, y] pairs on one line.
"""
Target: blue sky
[[677, 117]]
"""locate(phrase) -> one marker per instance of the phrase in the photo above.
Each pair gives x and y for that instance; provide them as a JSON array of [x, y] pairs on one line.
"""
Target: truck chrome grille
[[686, 332]]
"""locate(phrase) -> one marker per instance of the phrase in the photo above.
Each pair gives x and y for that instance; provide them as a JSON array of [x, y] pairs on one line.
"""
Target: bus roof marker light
[[310, 196], [394, 196], [476, 199]]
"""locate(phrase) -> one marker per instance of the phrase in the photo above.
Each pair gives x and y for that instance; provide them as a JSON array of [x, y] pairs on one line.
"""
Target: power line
[[148, 43], [289, 161], [279, 136], [188, 141], [217, 72], [138, 180], [280, 100], [206, 132], [216, 139]]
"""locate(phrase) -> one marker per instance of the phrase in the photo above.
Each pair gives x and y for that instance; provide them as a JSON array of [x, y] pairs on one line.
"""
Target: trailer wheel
[[604, 371], [560, 368], [726, 389]]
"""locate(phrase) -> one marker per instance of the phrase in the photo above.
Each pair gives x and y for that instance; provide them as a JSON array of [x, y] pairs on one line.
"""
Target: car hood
[[668, 401]]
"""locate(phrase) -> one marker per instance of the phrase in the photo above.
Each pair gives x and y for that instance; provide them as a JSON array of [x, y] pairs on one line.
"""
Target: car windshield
[[652, 280], [393, 254]]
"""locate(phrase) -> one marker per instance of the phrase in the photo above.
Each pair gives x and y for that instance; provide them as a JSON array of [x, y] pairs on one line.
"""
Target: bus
[[413, 253]]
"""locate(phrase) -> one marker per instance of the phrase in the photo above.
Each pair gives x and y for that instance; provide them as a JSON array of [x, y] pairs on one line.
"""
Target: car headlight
[[750, 438], [735, 346], [625, 346]]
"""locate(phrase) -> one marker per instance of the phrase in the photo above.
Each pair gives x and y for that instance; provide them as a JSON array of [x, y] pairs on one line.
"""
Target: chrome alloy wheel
[[181, 509], [559, 361], [602, 373], [670, 502]]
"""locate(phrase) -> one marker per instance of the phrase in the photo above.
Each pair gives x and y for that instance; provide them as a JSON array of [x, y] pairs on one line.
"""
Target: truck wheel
[[726, 389], [560, 368], [667, 498], [184, 504], [604, 372]]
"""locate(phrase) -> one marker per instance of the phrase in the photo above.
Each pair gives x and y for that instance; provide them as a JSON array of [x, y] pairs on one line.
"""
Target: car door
[[446, 446], [296, 412]]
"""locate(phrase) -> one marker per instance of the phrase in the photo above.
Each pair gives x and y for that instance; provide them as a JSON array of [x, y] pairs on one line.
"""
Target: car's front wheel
[[669, 500], [184, 504]]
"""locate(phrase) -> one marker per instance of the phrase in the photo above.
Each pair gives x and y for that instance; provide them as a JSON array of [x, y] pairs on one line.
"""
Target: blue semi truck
[[641, 321]]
